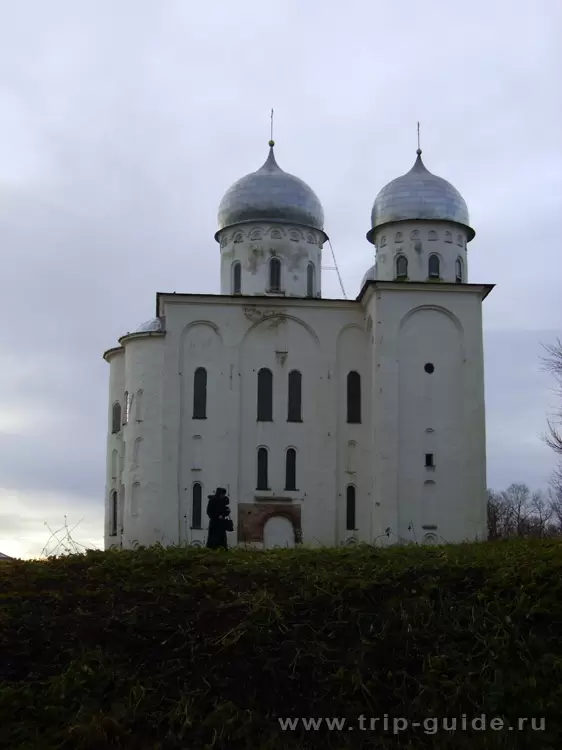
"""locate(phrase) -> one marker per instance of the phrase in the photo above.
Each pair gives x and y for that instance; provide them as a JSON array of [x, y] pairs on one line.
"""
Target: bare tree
[[515, 512], [552, 363]]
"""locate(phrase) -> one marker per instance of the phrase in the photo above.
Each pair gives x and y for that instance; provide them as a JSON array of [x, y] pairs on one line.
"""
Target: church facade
[[329, 421]]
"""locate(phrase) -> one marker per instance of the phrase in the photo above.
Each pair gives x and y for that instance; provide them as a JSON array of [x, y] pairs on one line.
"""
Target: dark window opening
[[433, 267], [113, 517], [350, 508], [196, 507], [310, 280], [295, 397], [458, 271], [354, 398], [428, 367], [200, 393], [401, 267], [116, 417], [275, 275], [265, 395], [236, 278], [262, 469], [429, 460], [291, 470]]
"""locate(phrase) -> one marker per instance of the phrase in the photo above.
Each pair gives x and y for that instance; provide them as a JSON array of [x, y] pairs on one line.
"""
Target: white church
[[328, 421]]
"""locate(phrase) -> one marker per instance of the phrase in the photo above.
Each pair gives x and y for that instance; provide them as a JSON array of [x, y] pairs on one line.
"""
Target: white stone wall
[[417, 240], [113, 480], [146, 517], [387, 338], [415, 412], [254, 244]]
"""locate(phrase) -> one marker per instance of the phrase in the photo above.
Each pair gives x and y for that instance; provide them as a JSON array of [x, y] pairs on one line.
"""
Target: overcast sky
[[123, 123]]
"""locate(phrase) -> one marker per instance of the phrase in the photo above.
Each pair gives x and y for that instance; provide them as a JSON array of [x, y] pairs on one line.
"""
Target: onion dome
[[151, 326], [270, 195], [418, 194], [369, 276]]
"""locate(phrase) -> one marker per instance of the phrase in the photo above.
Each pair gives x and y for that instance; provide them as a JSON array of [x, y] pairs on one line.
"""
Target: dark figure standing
[[218, 512]]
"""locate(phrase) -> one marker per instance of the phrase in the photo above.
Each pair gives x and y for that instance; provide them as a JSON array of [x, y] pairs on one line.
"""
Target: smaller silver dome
[[369, 276], [270, 194], [418, 194], [151, 326]]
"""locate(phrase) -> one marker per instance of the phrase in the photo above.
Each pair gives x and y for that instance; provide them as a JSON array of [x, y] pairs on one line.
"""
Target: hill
[[170, 648]]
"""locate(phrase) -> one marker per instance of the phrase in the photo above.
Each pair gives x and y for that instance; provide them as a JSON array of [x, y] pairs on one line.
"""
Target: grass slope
[[170, 648]]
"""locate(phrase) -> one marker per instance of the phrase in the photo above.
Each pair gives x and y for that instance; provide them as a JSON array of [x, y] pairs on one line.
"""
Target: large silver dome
[[419, 195], [270, 194]]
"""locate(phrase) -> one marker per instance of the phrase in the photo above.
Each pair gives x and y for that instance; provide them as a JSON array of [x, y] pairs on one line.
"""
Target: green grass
[[170, 648]]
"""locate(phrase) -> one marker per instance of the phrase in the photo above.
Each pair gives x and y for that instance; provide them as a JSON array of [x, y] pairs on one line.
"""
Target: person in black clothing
[[218, 511]]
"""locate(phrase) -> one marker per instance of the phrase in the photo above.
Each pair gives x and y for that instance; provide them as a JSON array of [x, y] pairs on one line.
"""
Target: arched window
[[432, 235], [262, 483], [200, 393], [291, 469], [310, 280], [401, 267], [196, 505], [354, 397], [274, 275], [116, 418], [113, 514], [139, 405], [458, 271], [136, 451], [448, 237], [398, 237], [236, 277], [135, 499], [350, 508], [433, 267], [265, 395], [383, 240], [295, 397]]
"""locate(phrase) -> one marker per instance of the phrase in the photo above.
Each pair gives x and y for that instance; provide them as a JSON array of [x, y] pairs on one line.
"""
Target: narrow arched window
[[113, 514], [458, 271], [354, 397], [196, 505], [433, 267], [265, 395], [116, 417], [236, 278], [291, 469], [139, 406], [275, 275], [200, 393], [350, 508], [295, 397], [310, 280], [135, 499], [401, 267], [262, 483]]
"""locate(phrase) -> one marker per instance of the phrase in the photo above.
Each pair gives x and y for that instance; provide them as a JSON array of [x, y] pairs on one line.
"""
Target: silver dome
[[270, 194], [369, 276], [151, 326], [419, 195]]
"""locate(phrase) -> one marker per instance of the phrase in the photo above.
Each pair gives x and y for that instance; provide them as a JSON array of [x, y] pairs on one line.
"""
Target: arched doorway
[[278, 532]]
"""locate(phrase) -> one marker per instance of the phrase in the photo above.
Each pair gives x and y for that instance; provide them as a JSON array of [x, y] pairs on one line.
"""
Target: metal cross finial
[[271, 136], [419, 149]]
